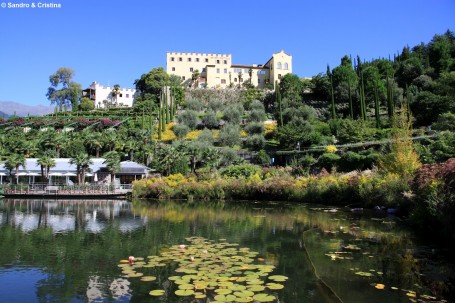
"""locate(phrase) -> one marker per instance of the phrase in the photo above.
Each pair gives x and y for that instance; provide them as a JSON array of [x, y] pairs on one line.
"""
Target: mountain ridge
[[22, 110]]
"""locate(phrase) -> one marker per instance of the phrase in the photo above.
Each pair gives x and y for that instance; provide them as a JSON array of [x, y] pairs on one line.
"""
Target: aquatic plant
[[220, 271]]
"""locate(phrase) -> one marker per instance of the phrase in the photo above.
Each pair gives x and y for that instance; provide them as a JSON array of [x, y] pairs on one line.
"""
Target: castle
[[104, 96], [218, 71]]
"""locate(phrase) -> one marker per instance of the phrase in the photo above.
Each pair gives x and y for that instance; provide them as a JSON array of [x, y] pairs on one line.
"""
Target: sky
[[115, 42]]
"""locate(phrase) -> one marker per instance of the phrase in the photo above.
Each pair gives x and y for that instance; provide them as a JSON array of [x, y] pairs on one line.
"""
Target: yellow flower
[[331, 149]]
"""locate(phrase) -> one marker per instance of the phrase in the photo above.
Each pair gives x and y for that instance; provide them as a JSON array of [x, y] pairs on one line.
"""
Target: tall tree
[[332, 106], [115, 93], [46, 162], [82, 162], [63, 90], [278, 103], [152, 83], [112, 162]]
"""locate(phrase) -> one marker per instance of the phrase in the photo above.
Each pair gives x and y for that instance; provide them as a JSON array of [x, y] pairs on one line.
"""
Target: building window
[[223, 81], [279, 65], [246, 71], [180, 59], [225, 70], [197, 59], [173, 69], [286, 66], [206, 60], [127, 95], [120, 95], [217, 70], [237, 70], [183, 78], [225, 61], [203, 69], [259, 80], [279, 76], [189, 59], [241, 79], [191, 69], [172, 59], [261, 72], [235, 79], [217, 61]]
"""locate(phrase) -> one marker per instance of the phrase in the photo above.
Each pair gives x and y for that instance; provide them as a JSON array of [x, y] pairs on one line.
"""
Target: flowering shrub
[[331, 149], [168, 134], [270, 129], [193, 135]]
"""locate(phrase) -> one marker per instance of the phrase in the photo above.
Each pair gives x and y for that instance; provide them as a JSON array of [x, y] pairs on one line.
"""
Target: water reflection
[[68, 215], [69, 250]]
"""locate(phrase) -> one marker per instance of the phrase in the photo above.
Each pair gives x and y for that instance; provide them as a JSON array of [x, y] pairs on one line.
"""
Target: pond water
[[71, 251]]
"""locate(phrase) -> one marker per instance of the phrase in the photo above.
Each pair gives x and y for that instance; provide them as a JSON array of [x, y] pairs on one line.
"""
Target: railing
[[64, 189]]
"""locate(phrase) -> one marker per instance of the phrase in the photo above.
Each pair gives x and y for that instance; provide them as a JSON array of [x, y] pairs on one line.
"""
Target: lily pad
[[157, 292], [278, 278], [184, 292], [148, 278], [264, 297]]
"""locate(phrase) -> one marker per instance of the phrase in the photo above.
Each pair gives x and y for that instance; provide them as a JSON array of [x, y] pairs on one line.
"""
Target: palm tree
[[82, 162], [240, 78], [13, 161], [112, 162], [115, 92], [93, 141], [195, 77], [250, 73], [46, 162]]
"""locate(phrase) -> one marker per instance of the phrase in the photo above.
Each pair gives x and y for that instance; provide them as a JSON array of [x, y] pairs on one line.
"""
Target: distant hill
[[22, 110], [3, 115]]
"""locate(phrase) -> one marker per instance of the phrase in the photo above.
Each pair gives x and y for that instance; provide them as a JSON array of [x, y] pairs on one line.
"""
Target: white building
[[105, 96]]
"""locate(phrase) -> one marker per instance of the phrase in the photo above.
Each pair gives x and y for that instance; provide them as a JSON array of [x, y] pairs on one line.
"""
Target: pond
[[77, 251]]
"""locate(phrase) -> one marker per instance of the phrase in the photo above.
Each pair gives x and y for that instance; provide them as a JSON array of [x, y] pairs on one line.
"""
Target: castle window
[[235, 79], [217, 61], [203, 69], [225, 70], [183, 77], [197, 59], [172, 59], [180, 59], [225, 61], [286, 66], [173, 69], [261, 72], [120, 95], [241, 79], [279, 65], [189, 59], [217, 70], [127, 95], [259, 80], [191, 69], [223, 81], [246, 71], [206, 60], [279, 76]]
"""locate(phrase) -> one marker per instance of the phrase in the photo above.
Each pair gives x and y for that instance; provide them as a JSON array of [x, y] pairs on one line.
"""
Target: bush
[[180, 130], [206, 135], [255, 142], [215, 105], [210, 120], [255, 128], [240, 171], [193, 104], [189, 118], [233, 114], [328, 161], [262, 158], [229, 135]]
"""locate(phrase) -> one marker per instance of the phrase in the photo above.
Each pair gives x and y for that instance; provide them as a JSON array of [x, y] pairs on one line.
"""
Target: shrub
[[255, 142], [229, 135], [210, 120], [189, 118], [328, 161], [194, 105], [255, 128], [180, 130], [240, 171], [262, 158], [233, 114]]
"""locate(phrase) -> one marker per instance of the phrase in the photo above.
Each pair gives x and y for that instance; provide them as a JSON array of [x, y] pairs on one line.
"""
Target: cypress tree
[[332, 110], [166, 106], [376, 105], [351, 108], [278, 101]]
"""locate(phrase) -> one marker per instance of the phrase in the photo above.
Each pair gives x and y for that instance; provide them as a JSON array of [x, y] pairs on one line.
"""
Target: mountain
[[22, 110], [3, 115]]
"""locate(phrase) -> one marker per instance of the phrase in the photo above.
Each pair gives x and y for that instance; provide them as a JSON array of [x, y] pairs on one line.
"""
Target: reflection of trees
[[76, 257]]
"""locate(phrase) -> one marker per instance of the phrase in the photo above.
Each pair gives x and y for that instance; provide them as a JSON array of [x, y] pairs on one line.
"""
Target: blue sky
[[114, 42]]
